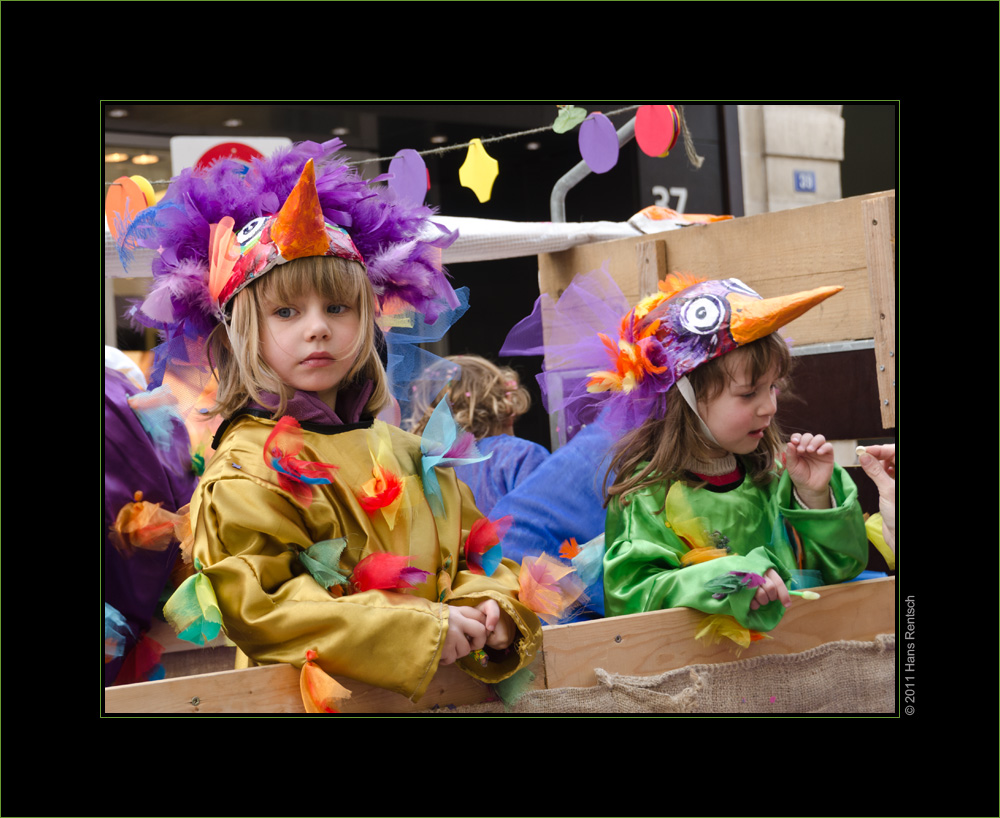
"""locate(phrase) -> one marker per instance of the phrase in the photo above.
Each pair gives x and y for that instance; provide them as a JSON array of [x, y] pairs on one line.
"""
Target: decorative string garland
[[597, 139]]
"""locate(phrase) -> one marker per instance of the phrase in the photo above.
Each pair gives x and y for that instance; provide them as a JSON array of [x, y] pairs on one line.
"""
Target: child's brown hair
[[663, 448], [235, 352]]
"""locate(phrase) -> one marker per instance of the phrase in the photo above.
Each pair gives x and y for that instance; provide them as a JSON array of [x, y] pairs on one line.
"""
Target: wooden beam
[[641, 644], [879, 224]]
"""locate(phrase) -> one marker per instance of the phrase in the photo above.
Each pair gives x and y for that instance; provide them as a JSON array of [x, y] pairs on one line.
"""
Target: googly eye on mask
[[703, 314]]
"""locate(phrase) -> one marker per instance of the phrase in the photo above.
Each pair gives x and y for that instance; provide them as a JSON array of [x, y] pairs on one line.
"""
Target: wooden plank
[[275, 689], [775, 253], [642, 644], [651, 266], [879, 224], [651, 643]]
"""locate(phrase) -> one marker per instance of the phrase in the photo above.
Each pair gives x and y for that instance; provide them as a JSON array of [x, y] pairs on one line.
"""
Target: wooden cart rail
[[641, 644]]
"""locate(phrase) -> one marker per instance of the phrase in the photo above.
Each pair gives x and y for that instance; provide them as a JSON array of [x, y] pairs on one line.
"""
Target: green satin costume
[[248, 533], [642, 561]]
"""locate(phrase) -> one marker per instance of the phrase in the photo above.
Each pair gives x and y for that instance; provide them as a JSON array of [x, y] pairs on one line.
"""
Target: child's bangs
[[335, 279], [764, 356]]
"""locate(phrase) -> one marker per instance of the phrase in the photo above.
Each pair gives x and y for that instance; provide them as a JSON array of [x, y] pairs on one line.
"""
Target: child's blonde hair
[[485, 399], [667, 445], [236, 356]]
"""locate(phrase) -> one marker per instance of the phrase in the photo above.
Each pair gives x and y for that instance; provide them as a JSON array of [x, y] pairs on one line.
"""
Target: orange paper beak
[[298, 228], [754, 318]]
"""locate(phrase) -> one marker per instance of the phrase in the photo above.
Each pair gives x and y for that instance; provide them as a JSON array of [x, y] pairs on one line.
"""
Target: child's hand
[[772, 588], [466, 633], [809, 460], [500, 627]]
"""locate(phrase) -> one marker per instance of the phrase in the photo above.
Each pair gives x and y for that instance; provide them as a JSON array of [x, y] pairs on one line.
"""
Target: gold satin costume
[[248, 534]]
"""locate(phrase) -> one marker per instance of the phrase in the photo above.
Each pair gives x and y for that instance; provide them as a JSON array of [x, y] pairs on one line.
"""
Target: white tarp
[[478, 240]]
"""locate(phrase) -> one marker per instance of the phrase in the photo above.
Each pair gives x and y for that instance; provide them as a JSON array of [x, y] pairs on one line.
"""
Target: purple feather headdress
[[399, 243]]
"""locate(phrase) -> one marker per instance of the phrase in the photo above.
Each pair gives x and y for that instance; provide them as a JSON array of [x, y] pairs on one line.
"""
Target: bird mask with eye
[[688, 323]]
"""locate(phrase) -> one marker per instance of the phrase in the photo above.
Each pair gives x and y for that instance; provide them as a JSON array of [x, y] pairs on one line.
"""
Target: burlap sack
[[838, 677]]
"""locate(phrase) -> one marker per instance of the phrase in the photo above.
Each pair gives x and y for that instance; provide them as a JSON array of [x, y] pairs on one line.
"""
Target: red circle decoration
[[228, 150], [657, 128]]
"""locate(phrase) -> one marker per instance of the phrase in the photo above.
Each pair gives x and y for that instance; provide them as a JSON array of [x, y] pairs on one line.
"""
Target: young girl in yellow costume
[[320, 529]]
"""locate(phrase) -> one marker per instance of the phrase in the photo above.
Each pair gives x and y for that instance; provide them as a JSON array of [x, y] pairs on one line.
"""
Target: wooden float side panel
[[647, 644], [641, 644], [775, 253]]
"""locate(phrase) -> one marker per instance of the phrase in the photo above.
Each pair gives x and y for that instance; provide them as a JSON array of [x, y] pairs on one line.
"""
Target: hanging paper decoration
[[598, 143], [717, 627], [549, 587], [294, 476], [482, 547], [569, 117], [479, 171], [322, 561], [127, 196], [409, 177], [657, 128], [321, 693], [193, 609], [443, 443], [147, 526], [382, 571]]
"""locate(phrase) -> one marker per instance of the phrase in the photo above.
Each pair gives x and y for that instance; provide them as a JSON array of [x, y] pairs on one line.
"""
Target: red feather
[[294, 475], [386, 572]]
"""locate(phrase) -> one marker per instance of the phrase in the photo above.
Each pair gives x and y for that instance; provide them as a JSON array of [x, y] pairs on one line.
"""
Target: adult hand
[[879, 463]]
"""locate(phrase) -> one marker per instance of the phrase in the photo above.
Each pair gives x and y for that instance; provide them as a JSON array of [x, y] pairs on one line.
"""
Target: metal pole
[[557, 200]]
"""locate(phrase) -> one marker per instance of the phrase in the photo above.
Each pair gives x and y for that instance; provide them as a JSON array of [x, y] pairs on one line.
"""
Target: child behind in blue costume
[[700, 515], [321, 530], [485, 400]]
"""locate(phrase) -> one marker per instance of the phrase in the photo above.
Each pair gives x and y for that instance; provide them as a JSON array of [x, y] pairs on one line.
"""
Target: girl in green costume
[[710, 508]]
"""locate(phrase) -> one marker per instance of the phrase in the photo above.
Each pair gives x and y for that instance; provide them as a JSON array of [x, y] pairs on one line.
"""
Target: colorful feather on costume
[[385, 492], [443, 443], [322, 561], [726, 584], [588, 559], [321, 693], [482, 547], [717, 627], [142, 663], [382, 571], [147, 526], [157, 411], [295, 476], [193, 609], [550, 588], [224, 252], [116, 633], [692, 530]]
